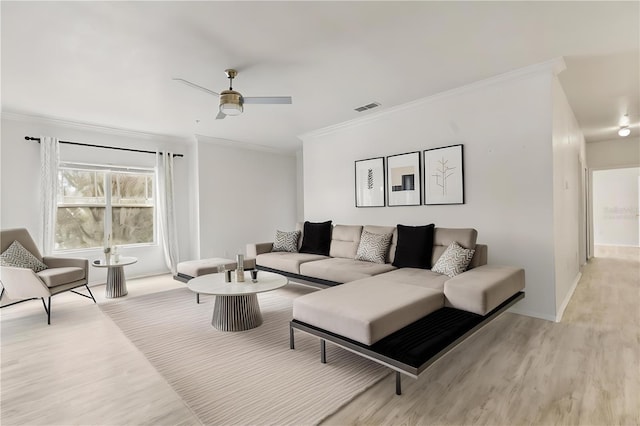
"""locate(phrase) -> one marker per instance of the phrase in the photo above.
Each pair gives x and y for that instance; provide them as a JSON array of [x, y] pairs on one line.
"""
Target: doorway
[[616, 205]]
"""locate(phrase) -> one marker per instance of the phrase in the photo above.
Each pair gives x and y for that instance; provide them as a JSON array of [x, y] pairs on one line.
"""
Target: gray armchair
[[22, 284]]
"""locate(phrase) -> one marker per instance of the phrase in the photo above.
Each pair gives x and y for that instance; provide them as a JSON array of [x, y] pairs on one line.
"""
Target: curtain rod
[[29, 138]]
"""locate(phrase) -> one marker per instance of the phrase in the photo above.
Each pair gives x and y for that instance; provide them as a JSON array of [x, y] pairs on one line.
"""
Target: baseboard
[[567, 298], [532, 314], [129, 278]]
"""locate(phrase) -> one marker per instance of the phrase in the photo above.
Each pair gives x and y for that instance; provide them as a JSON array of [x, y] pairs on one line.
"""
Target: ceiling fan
[[231, 102]]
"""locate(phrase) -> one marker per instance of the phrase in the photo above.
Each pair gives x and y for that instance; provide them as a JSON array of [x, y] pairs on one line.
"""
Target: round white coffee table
[[116, 283], [236, 306]]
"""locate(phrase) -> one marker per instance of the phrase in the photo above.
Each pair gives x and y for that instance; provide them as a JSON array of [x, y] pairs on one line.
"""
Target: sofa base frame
[[301, 279], [441, 331]]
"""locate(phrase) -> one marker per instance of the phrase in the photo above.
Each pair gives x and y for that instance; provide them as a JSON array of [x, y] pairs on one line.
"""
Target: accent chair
[[22, 284]]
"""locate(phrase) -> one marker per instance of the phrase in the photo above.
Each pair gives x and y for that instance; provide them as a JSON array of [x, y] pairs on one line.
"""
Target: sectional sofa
[[396, 312]]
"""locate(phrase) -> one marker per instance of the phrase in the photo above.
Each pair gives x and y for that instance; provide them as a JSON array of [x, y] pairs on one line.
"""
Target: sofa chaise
[[403, 317]]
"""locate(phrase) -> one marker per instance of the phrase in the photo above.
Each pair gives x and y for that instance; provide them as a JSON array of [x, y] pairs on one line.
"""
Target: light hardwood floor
[[518, 370], [584, 370]]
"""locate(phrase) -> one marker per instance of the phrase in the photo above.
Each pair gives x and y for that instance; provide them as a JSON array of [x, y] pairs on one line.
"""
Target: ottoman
[[366, 310], [194, 268]]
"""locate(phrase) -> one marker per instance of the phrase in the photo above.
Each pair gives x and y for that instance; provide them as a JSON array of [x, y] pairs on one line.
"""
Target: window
[[94, 201]]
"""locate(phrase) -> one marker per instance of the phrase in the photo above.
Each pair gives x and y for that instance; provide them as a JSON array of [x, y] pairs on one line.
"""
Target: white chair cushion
[[54, 277]]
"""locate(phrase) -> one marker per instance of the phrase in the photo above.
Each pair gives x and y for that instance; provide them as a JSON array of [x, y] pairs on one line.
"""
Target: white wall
[[244, 196], [505, 126], [615, 206], [20, 180], [568, 198], [300, 185]]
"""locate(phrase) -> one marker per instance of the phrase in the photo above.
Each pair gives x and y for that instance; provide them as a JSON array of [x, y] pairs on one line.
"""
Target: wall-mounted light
[[624, 130]]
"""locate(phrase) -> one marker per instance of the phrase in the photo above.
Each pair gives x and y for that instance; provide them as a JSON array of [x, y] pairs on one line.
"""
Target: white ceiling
[[111, 63]]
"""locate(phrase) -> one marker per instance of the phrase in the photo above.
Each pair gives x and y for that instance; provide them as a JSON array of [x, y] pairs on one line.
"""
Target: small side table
[[116, 283]]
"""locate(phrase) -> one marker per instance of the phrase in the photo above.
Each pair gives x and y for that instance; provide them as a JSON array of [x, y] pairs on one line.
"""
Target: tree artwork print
[[444, 175]]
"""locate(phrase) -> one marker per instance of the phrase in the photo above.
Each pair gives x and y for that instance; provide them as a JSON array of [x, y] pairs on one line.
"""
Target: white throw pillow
[[19, 257], [454, 260], [373, 247], [286, 241]]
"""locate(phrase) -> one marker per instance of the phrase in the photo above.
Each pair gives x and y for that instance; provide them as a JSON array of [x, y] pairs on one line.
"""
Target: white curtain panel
[[166, 209], [49, 158]]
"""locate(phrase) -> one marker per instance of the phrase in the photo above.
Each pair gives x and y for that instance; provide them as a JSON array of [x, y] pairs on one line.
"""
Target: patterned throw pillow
[[286, 241], [373, 247], [19, 257], [454, 260]]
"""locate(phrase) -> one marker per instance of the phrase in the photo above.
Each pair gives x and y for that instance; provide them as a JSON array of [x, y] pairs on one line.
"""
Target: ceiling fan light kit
[[231, 102]]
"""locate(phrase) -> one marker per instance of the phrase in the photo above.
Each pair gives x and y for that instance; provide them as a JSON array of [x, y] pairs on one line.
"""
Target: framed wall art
[[370, 182], [444, 175], [404, 180]]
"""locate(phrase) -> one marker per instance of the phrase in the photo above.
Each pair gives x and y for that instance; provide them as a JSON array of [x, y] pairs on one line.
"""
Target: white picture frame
[[444, 175], [404, 180], [370, 182]]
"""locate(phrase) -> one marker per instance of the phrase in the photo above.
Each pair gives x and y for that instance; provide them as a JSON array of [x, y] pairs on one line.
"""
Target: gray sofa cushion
[[480, 257], [345, 240], [342, 270], [482, 289], [284, 261], [366, 310], [442, 237], [415, 276]]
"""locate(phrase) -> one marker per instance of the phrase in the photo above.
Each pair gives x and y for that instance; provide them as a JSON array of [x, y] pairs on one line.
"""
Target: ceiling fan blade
[[195, 86], [267, 100], [220, 115]]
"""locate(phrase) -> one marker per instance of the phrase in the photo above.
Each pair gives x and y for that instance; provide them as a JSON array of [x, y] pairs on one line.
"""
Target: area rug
[[242, 378]]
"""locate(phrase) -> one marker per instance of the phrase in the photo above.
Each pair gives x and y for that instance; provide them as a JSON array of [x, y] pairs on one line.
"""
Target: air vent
[[368, 106]]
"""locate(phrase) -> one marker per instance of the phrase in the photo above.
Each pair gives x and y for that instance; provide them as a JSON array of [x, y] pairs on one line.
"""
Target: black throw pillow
[[414, 247], [316, 238]]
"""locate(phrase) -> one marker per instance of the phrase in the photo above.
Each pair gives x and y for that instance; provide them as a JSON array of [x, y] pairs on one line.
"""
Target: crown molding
[[553, 67], [79, 125], [244, 145]]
